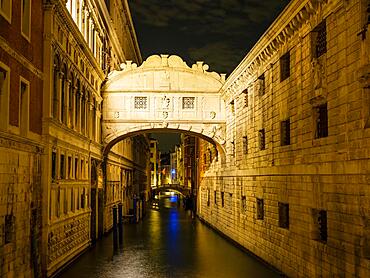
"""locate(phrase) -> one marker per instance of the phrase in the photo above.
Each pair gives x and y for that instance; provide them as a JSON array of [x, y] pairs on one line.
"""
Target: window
[[244, 204], [261, 85], [6, 9], [232, 106], [321, 112], [188, 102], [141, 103], [261, 139], [72, 200], [245, 93], [222, 199], [318, 38], [83, 198], [215, 196], [69, 175], [260, 209], [152, 145], [285, 66], [320, 229], [53, 166], [245, 144], [26, 18], [208, 197], [285, 132], [62, 169], [24, 106], [76, 168], [9, 228], [4, 96], [283, 215]]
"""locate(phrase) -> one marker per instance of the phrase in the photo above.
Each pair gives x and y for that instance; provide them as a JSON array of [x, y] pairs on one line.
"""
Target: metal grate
[[188, 102], [285, 66], [285, 132], [141, 103], [245, 144], [319, 36], [322, 121]]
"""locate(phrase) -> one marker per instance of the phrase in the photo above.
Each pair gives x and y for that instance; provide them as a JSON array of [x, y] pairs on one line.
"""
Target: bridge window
[[285, 66], [285, 132], [320, 229], [188, 102], [141, 103], [260, 209], [283, 215]]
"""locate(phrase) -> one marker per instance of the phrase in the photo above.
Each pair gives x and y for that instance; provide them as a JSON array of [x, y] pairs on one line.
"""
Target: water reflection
[[168, 243]]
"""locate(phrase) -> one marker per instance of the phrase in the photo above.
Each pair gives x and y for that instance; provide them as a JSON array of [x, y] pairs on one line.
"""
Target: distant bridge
[[184, 190]]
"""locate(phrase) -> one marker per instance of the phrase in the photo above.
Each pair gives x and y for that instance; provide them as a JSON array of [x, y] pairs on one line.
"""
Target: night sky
[[218, 32]]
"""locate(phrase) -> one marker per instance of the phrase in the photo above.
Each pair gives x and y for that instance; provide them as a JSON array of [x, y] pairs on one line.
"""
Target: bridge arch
[[164, 94]]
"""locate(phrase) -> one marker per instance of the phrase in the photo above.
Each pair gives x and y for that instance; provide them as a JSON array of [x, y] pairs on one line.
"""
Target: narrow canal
[[167, 243]]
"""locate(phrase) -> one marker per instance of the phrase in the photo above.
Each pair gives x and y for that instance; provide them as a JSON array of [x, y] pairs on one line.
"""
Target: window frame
[[25, 35], [285, 133], [7, 13], [24, 107], [321, 129], [284, 62], [4, 98], [184, 107]]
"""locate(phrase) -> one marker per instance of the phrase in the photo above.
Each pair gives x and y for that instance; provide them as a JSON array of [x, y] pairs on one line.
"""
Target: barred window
[[245, 93], [141, 103], [319, 42], [320, 227], [245, 144], [285, 66], [283, 215], [321, 121], [260, 209], [261, 139], [188, 102], [285, 132]]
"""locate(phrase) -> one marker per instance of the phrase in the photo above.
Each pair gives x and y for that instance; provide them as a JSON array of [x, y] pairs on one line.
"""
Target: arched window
[[55, 101]]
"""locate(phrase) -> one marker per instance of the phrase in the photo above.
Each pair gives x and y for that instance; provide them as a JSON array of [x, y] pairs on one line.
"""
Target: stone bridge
[[163, 95], [184, 190]]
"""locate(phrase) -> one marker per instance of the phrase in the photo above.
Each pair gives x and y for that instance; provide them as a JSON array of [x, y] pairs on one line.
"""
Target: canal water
[[167, 243]]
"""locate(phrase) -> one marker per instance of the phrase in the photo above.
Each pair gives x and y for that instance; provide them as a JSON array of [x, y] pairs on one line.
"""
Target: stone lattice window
[[262, 139], [320, 226], [141, 103], [188, 102], [246, 100], [260, 209], [285, 66], [321, 115], [245, 144], [319, 42], [283, 215], [244, 204], [222, 199], [9, 228], [285, 132]]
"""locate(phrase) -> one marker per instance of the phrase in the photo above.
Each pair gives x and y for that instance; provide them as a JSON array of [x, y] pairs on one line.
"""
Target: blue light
[[173, 171]]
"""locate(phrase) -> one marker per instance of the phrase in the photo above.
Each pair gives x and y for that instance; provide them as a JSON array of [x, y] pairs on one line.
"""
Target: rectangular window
[[260, 209], [62, 169], [245, 93], [245, 144], [283, 215], [285, 132], [69, 176], [318, 37], [188, 102], [244, 204], [53, 166], [26, 18], [215, 196], [4, 96], [72, 201], [261, 85], [24, 106], [208, 197], [141, 103], [222, 199], [76, 168], [9, 228], [6, 9], [321, 121], [261, 139], [320, 229], [285, 66]]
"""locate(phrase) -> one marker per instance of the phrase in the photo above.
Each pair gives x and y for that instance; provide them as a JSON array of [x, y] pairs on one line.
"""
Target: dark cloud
[[219, 30]]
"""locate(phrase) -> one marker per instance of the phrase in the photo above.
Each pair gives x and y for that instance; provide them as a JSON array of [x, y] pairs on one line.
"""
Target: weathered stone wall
[[20, 207], [314, 175]]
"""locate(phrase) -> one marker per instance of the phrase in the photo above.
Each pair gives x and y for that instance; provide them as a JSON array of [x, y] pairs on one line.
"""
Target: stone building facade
[[295, 191], [21, 149]]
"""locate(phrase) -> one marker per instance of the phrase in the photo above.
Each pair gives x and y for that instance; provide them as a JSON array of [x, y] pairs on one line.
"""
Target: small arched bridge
[[164, 95], [184, 190]]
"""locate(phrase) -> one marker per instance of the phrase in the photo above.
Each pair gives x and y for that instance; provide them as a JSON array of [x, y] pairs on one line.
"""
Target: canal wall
[[292, 184]]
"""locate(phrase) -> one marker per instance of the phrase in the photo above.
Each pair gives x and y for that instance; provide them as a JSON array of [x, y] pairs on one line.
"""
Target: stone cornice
[[281, 30]]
